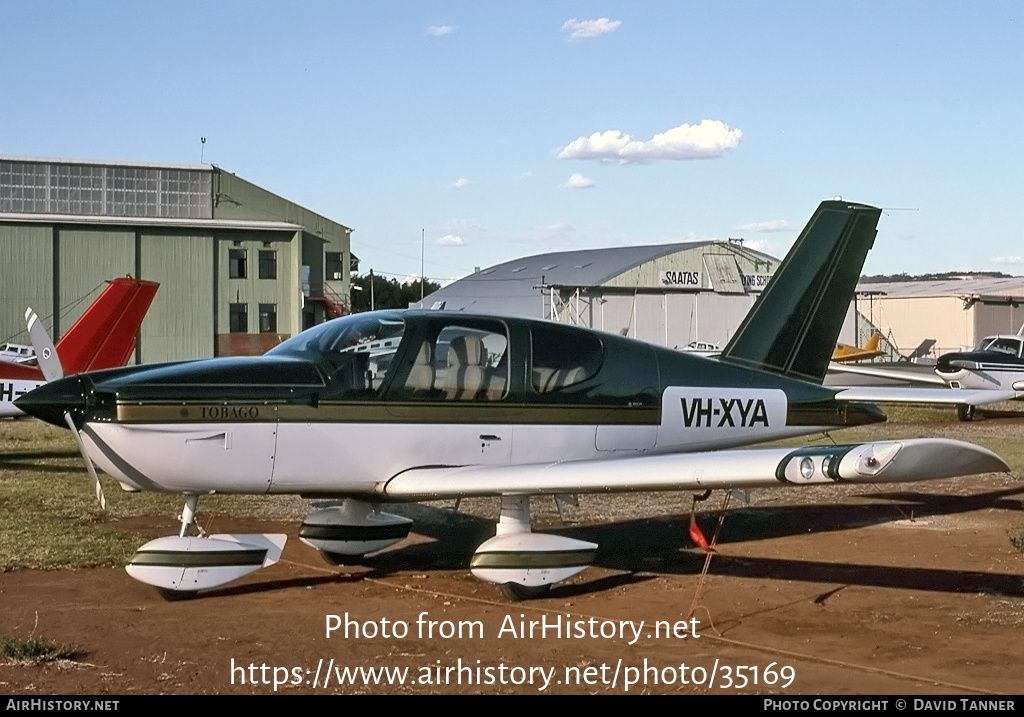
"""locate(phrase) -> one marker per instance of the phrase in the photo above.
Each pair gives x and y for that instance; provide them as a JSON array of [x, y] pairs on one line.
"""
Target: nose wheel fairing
[[190, 564], [183, 565]]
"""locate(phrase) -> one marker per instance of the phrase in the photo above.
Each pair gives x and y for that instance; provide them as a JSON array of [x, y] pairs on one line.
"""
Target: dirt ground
[[871, 590]]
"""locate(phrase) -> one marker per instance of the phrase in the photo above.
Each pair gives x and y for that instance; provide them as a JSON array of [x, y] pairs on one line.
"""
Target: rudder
[[104, 336], [793, 326]]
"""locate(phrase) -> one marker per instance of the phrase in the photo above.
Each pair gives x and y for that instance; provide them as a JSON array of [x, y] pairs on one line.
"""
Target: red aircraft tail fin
[[104, 336]]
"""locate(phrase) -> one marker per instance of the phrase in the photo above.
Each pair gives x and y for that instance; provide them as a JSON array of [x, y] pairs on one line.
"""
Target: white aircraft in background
[[995, 366], [394, 406], [17, 354]]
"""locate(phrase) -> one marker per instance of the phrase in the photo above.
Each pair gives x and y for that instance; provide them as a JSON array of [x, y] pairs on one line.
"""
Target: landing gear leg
[[965, 412], [515, 519], [188, 515], [514, 516]]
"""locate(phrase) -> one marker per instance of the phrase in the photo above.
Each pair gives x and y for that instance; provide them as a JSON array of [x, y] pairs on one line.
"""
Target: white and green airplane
[[395, 406]]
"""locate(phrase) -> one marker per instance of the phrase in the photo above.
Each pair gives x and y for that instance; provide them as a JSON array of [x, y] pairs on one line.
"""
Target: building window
[[334, 266], [268, 318], [238, 318], [103, 190], [268, 264], [237, 263]]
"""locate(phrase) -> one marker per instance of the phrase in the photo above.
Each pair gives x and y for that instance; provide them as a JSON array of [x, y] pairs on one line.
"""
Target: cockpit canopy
[[1010, 345], [413, 356]]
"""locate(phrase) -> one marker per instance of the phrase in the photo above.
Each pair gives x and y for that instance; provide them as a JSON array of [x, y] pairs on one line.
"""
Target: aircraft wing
[[951, 396], [890, 373], [873, 462]]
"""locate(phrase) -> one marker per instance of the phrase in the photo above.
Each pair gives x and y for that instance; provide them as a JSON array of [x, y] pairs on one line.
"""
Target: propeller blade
[[46, 354], [93, 478]]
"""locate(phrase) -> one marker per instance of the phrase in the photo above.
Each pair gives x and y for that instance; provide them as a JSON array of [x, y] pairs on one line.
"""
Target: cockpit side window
[[563, 357], [471, 363], [1006, 345], [459, 362]]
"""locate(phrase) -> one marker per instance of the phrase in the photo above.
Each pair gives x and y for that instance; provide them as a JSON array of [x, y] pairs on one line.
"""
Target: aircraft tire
[[516, 591], [965, 412], [176, 595], [339, 559]]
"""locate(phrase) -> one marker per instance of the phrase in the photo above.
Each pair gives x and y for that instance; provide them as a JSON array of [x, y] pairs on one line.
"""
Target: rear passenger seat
[[546, 380]]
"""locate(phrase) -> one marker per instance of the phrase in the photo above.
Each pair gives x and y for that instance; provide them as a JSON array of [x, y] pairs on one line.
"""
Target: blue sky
[[501, 128]]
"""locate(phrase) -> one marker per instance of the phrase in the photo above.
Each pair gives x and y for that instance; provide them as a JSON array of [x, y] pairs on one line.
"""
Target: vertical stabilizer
[[104, 336], [793, 326]]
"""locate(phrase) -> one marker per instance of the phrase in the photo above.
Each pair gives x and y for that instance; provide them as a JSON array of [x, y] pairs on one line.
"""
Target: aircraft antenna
[[885, 210]]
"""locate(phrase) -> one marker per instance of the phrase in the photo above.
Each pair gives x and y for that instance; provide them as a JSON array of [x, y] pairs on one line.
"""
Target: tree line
[[388, 293]]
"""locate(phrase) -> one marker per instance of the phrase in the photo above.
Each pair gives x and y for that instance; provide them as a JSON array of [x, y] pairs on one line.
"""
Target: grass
[[1017, 539], [51, 518], [34, 651]]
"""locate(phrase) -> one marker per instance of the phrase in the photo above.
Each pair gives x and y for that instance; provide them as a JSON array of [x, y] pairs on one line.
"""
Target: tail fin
[[872, 344], [104, 336], [793, 327]]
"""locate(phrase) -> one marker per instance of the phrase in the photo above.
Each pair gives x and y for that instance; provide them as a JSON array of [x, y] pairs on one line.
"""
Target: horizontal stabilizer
[[950, 396], [875, 462], [905, 375]]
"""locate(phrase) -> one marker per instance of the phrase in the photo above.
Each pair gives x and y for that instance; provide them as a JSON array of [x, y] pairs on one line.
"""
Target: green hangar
[[240, 268]]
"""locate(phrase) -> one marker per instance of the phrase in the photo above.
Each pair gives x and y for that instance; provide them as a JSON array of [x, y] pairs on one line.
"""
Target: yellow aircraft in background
[[844, 353]]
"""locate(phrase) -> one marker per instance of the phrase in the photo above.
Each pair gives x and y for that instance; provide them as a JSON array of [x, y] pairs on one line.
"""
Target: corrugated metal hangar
[[239, 268], [955, 313], [667, 294]]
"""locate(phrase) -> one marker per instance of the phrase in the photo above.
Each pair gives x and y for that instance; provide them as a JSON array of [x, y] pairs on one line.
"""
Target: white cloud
[[1015, 259], [586, 29], [767, 227], [762, 245], [460, 183], [578, 181], [451, 240], [439, 30], [706, 140]]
